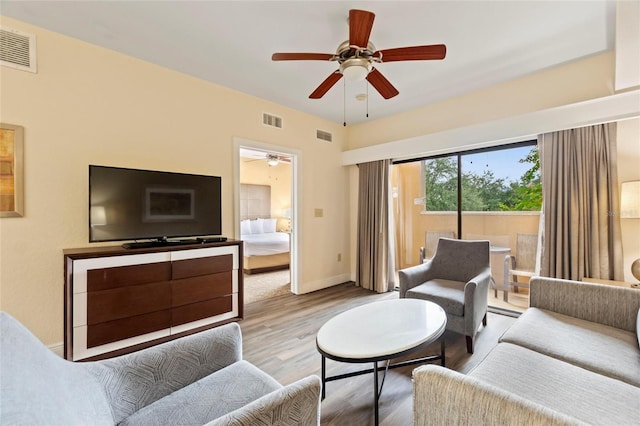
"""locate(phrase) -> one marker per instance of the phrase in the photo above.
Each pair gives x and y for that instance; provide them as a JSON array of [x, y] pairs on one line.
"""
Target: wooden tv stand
[[121, 300]]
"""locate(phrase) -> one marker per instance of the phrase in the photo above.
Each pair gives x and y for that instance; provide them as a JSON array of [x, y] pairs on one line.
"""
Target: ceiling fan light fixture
[[355, 69], [272, 160]]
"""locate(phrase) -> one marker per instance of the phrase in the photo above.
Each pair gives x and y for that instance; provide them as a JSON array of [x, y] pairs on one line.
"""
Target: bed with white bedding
[[264, 248]]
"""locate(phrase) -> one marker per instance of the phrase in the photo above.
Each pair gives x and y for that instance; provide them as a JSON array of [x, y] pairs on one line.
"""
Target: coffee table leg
[[376, 394], [324, 376], [442, 348]]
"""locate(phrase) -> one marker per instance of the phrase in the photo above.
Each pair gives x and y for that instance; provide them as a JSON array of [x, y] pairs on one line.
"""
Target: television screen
[[130, 204]]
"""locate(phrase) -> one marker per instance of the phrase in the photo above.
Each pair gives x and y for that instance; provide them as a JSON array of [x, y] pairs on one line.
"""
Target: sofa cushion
[[446, 293], [563, 387], [596, 347], [209, 398]]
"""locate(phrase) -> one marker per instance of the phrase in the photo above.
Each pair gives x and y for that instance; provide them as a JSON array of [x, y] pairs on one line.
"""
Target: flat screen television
[[130, 204]]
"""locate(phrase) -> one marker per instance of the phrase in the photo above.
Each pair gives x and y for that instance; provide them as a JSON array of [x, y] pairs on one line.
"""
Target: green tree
[[441, 176], [527, 192], [482, 192]]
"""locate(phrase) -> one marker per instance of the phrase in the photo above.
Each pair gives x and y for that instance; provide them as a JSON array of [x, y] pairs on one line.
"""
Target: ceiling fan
[[272, 159], [357, 55]]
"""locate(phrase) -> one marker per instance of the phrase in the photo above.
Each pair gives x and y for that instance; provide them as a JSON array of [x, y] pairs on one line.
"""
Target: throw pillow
[[256, 226], [269, 225], [245, 227]]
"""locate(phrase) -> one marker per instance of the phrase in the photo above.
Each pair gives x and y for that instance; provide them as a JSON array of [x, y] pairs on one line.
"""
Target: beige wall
[[88, 105], [577, 81]]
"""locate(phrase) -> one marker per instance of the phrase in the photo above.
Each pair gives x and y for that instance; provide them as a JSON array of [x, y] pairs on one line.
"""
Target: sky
[[504, 163]]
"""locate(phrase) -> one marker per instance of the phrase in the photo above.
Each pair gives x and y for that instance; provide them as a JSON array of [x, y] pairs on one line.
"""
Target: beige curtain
[[374, 267], [580, 191]]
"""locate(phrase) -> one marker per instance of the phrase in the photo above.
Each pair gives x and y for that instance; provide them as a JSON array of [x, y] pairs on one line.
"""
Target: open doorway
[[265, 219]]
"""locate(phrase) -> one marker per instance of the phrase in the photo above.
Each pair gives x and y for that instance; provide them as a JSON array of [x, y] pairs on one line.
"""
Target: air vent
[[18, 50], [271, 120], [324, 136]]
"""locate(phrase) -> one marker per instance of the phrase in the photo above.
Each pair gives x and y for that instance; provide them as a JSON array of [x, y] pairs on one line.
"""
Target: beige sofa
[[572, 358]]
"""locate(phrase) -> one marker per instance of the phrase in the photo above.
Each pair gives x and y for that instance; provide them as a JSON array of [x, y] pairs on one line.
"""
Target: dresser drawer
[[109, 305], [198, 289], [200, 310], [124, 276], [201, 266], [113, 331]]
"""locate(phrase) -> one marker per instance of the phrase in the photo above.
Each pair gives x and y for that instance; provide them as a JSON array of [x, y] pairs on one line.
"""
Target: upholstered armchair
[[458, 279], [195, 380]]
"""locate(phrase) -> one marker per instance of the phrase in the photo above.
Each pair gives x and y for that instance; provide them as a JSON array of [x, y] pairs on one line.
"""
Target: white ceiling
[[230, 43]]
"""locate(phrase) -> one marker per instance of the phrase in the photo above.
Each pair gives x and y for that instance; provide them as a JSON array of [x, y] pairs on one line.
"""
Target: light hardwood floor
[[279, 337]]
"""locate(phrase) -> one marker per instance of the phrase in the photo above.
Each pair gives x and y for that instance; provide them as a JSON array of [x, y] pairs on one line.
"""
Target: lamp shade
[[630, 199], [355, 69], [355, 73]]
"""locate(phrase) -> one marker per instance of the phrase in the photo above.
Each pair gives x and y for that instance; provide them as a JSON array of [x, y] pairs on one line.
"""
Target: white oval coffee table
[[381, 331]]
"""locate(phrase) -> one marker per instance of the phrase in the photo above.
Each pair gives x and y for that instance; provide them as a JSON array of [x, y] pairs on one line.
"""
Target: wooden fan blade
[[413, 53], [360, 24], [326, 85], [381, 84], [301, 57]]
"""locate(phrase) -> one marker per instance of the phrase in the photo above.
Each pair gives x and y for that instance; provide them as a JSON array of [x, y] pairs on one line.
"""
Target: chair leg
[[469, 344], [484, 320]]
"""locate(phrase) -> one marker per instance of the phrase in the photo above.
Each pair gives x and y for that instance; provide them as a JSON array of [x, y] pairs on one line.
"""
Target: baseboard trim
[[326, 282]]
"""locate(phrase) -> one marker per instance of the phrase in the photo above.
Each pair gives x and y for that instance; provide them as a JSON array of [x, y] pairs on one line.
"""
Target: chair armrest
[[477, 287], [135, 380], [442, 396], [475, 299], [413, 276], [604, 304], [294, 404], [483, 279]]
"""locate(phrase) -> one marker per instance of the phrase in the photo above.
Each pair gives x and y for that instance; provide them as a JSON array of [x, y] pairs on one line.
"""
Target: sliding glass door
[[492, 194]]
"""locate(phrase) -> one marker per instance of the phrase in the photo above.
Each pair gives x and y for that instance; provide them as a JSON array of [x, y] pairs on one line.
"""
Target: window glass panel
[[502, 180], [441, 184]]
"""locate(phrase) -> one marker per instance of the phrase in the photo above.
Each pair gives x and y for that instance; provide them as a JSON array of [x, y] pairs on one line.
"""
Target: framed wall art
[[11, 170]]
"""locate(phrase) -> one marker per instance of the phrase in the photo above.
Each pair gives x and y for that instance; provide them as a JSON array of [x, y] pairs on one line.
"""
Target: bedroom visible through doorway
[[265, 206]]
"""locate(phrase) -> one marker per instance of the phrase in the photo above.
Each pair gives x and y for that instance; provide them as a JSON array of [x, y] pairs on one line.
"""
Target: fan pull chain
[[367, 99], [344, 102]]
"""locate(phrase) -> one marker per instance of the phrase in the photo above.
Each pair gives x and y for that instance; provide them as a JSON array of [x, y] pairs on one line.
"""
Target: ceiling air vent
[[17, 50], [271, 120], [324, 136]]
